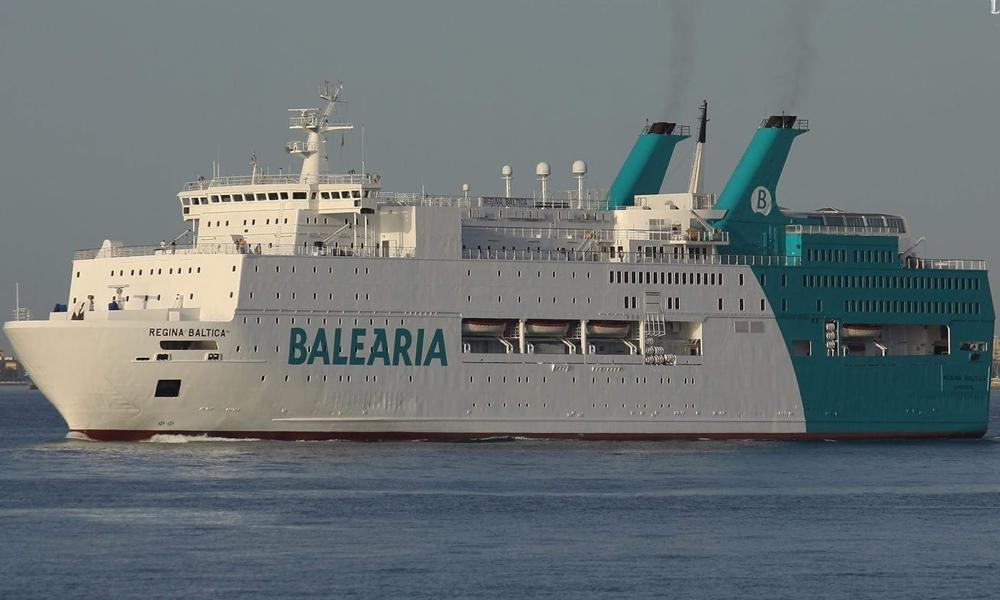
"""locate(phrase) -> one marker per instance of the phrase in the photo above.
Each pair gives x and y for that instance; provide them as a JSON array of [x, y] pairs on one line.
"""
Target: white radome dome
[[543, 169], [506, 171], [579, 167]]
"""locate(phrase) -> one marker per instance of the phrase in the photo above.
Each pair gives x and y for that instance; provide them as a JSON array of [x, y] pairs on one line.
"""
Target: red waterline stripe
[[125, 435]]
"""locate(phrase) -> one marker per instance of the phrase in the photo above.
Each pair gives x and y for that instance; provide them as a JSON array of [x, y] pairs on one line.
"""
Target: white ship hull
[[101, 374]]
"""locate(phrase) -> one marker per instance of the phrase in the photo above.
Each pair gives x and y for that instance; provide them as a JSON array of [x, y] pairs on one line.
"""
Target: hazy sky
[[107, 108]]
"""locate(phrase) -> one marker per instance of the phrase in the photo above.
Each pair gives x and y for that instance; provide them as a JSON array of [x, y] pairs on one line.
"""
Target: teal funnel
[[646, 164], [753, 218]]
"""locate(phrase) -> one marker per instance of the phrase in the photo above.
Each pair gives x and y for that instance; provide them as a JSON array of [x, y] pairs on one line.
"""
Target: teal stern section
[[754, 221], [646, 165], [903, 392]]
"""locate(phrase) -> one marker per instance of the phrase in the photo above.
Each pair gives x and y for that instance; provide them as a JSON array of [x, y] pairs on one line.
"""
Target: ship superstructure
[[317, 306]]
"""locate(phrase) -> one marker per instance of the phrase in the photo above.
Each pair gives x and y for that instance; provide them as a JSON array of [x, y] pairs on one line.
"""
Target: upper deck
[[296, 181]]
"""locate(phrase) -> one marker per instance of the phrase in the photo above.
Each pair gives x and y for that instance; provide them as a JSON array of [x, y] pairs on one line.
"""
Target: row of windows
[[881, 221], [890, 281], [527, 380], [913, 306], [134, 272], [223, 198], [252, 222], [673, 303], [314, 221], [538, 274], [555, 299], [840, 255], [666, 278]]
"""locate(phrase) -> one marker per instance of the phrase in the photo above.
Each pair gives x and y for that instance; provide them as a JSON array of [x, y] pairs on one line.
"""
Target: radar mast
[[316, 124]]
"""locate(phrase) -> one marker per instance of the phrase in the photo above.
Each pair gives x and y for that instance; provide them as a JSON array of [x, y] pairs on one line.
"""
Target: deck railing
[[247, 249], [279, 179], [526, 254], [630, 257], [948, 264], [841, 230], [408, 199]]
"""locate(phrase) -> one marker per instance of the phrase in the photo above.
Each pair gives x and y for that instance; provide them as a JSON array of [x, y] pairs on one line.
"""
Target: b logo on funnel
[[761, 201]]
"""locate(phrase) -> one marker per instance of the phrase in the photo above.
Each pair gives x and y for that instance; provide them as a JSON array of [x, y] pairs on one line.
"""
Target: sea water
[[198, 518]]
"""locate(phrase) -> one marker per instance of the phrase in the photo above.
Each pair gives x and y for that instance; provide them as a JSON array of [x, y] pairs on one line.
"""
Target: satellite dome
[[543, 170], [579, 167], [506, 171]]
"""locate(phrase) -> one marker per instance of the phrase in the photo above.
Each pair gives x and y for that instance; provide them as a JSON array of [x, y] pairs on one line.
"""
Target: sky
[[107, 108]]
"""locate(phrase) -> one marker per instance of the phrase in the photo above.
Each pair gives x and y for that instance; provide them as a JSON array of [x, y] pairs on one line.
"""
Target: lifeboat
[[494, 327], [861, 331], [615, 329], [547, 328]]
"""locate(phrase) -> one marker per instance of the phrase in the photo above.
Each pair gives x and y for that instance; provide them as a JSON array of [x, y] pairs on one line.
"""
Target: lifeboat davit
[[861, 331], [495, 327], [615, 329], [547, 328]]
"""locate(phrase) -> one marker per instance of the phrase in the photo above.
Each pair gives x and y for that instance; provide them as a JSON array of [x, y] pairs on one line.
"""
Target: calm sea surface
[[508, 519]]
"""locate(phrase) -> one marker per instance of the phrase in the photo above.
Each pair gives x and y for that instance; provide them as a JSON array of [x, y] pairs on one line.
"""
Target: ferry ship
[[318, 306]]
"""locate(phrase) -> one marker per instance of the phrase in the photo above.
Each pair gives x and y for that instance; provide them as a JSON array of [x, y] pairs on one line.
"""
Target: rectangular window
[[802, 348], [168, 388], [298, 195]]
